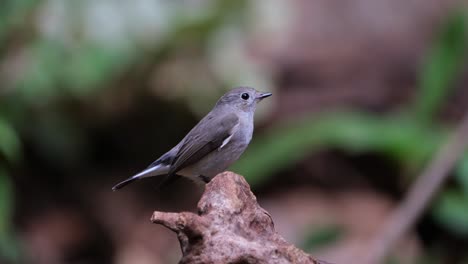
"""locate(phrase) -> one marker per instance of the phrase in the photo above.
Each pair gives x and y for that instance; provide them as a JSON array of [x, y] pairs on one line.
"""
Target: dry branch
[[230, 227], [420, 194]]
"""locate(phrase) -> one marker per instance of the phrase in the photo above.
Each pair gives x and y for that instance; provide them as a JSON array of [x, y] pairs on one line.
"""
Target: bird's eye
[[245, 96]]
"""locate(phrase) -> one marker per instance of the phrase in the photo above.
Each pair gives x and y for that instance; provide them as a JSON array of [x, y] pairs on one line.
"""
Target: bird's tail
[[151, 171], [124, 183]]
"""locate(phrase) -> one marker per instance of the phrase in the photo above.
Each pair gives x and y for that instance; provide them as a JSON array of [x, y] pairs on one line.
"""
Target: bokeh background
[[91, 91]]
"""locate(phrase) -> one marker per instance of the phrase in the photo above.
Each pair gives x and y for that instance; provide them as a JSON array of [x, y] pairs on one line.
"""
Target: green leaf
[[444, 62], [451, 210]]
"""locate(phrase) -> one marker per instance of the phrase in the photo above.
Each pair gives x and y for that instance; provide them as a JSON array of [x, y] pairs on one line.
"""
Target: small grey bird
[[213, 144]]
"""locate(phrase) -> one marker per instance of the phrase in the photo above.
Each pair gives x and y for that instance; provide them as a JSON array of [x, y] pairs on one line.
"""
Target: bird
[[215, 143]]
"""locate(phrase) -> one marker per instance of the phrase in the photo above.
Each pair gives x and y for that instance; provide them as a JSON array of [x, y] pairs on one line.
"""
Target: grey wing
[[167, 158], [203, 139]]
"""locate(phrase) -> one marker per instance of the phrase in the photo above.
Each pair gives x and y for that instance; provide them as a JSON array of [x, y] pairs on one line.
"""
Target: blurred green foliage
[[410, 139], [10, 149], [442, 66], [321, 236], [451, 210], [405, 141], [9, 141], [68, 61], [434, 256], [462, 174], [64, 55], [8, 245], [13, 13], [58, 71]]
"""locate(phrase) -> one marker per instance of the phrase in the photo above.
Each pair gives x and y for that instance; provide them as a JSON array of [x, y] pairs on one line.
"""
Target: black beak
[[264, 95]]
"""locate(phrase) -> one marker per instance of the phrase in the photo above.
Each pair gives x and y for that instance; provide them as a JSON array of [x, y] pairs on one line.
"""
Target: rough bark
[[230, 227]]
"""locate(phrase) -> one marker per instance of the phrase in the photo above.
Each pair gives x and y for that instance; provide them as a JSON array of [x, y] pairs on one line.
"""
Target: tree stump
[[230, 227]]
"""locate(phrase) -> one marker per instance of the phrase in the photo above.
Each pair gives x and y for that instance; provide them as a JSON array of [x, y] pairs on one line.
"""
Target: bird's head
[[242, 98]]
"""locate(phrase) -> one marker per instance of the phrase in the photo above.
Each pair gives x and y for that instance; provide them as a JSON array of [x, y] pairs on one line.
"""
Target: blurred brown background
[[92, 91]]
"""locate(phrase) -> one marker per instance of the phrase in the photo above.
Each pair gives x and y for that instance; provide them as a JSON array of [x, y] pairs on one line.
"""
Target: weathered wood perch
[[230, 227]]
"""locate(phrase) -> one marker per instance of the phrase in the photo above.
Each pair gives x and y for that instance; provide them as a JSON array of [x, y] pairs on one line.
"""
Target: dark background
[[92, 91]]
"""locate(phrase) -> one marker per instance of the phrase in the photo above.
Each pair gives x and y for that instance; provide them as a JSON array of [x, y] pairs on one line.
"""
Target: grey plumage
[[213, 144]]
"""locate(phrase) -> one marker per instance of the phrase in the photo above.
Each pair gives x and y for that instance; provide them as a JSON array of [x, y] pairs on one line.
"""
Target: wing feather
[[203, 139]]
